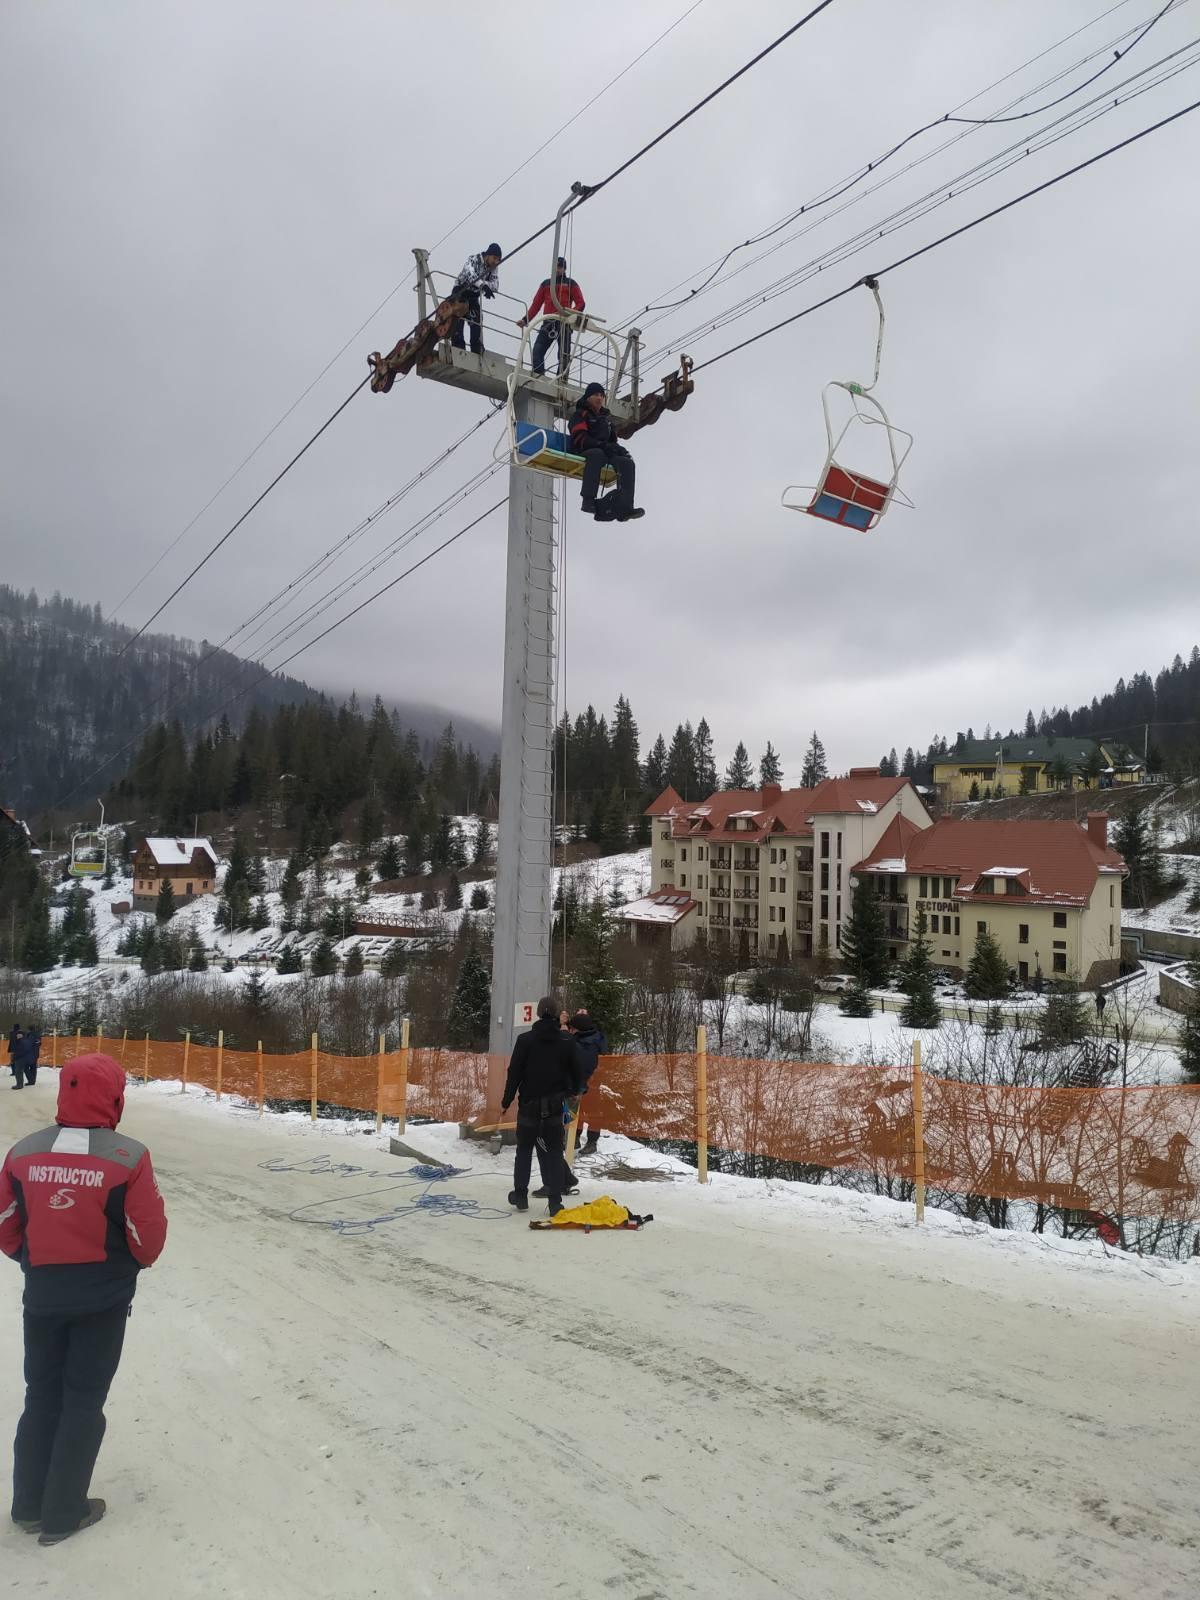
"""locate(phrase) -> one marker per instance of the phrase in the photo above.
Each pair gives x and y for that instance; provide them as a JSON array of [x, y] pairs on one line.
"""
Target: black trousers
[[474, 321], [23, 1074], [615, 455], [545, 1135], [548, 334], [69, 1364]]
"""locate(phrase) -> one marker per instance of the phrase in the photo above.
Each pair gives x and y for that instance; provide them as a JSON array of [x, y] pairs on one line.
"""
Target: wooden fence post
[[78, 1040], [260, 1079], [187, 1045], [918, 1095], [54, 1048], [702, 1103], [146, 1060], [220, 1060], [405, 1054], [99, 1036], [124, 1043], [314, 1077], [379, 1089]]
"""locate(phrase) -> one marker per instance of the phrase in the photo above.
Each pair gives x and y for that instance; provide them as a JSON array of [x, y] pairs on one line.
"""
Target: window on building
[[1023, 933], [1060, 961], [924, 888], [774, 855], [190, 890], [1111, 940], [839, 839], [981, 927], [1060, 944], [1060, 919], [770, 913], [772, 885], [683, 880], [824, 907], [956, 927], [839, 908], [204, 885], [683, 853], [1112, 894], [1023, 971], [771, 942], [945, 952], [824, 847]]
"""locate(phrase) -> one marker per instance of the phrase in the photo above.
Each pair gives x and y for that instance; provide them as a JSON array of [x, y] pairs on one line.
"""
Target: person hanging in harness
[[545, 1071], [567, 297], [479, 277], [594, 437]]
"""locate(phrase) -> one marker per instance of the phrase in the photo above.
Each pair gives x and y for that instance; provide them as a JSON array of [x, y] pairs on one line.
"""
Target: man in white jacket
[[479, 276]]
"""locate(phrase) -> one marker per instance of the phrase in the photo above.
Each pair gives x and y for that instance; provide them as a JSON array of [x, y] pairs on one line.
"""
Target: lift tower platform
[[524, 859]]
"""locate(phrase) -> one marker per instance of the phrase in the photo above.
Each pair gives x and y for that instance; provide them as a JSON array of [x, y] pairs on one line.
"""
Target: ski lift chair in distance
[[528, 444], [89, 851], [849, 498]]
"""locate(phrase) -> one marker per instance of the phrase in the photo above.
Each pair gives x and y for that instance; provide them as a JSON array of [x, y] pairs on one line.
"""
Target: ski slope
[[332, 1387]]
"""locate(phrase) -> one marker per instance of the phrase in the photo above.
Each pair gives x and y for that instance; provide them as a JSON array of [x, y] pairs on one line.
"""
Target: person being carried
[[589, 1036], [545, 1071], [479, 276], [594, 437], [569, 298], [81, 1212]]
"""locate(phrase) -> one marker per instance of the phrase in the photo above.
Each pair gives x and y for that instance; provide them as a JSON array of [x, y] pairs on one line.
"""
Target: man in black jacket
[[594, 437], [589, 1036], [545, 1070]]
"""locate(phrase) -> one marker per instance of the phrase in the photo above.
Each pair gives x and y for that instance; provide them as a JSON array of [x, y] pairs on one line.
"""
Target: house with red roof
[[769, 864], [1048, 892]]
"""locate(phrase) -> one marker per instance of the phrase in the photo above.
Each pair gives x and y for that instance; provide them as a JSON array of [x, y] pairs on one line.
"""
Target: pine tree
[[987, 971], [291, 890], [152, 960], [197, 959], [89, 950], [1030, 725], [256, 875], [614, 822], [479, 898], [370, 823], [908, 767], [921, 1009], [260, 917], [973, 793], [1138, 843], [483, 843], [770, 768], [323, 962], [681, 763], [289, 961], [864, 938], [164, 906], [656, 768], [706, 767], [388, 863], [354, 962], [362, 884], [469, 1017], [626, 770], [1065, 1019], [392, 964], [453, 897], [415, 851], [815, 769], [856, 1001], [739, 774], [595, 983], [255, 995]]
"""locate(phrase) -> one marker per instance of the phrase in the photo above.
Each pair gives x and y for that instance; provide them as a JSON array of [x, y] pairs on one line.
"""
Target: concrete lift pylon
[[524, 862]]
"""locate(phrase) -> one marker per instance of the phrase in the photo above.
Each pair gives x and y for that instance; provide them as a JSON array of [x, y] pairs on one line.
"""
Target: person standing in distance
[[480, 275], [545, 1071], [81, 1212]]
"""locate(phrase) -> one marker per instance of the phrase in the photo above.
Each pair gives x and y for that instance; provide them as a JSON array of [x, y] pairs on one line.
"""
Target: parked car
[[835, 983]]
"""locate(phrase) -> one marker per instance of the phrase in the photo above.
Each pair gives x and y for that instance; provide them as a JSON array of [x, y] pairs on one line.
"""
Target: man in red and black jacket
[[594, 437], [81, 1212], [567, 297]]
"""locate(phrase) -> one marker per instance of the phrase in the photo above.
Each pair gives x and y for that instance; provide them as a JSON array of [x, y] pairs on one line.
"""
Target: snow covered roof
[[665, 906], [178, 852], [1003, 872], [868, 806]]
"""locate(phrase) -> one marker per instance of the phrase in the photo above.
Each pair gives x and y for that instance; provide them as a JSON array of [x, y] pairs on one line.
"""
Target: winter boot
[[519, 1198], [590, 1145], [554, 1207], [95, 1510]]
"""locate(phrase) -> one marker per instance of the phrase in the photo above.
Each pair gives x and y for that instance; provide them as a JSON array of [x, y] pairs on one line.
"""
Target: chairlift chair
[[849, 498], [89, 851]]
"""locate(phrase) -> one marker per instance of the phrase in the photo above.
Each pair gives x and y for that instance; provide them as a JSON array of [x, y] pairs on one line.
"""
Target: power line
[[593, 189], [228, 534], [955, 233]]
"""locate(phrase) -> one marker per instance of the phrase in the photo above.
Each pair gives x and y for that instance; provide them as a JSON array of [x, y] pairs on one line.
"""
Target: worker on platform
[[594, 437], [567, 297], [479, 277]]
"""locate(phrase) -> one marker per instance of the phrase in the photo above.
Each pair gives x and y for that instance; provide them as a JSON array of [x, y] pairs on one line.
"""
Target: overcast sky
[[201, 202]]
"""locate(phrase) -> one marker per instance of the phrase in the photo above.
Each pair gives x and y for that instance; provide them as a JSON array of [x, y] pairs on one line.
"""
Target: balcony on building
[[745, 894], [719, 891], [804, 897]]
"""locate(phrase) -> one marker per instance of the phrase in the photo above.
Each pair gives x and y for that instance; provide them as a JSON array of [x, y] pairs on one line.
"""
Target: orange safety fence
[[1133, 1152]]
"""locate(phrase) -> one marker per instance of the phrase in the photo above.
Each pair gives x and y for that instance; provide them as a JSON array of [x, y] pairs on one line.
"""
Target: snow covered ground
[[348, 1377], [1171, 915]]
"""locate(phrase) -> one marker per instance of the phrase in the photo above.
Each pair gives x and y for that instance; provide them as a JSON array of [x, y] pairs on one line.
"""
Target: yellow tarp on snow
[[602, 1213]]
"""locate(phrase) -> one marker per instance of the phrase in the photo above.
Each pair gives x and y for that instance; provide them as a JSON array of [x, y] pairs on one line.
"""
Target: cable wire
[[955, 233]]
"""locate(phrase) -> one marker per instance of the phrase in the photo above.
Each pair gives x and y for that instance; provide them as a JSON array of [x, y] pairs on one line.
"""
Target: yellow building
[[1030, 766], [1049, 893]]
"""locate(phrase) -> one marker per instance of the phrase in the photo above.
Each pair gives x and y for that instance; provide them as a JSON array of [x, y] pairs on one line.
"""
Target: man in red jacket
[[567, 297], [81, 1212]]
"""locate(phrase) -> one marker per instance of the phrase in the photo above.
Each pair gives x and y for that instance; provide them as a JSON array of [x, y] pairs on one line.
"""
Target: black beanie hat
[[494, 250], [594, 388]]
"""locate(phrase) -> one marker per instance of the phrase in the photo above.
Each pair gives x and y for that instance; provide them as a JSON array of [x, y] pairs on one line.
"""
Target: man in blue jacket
[[589, 1036]]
